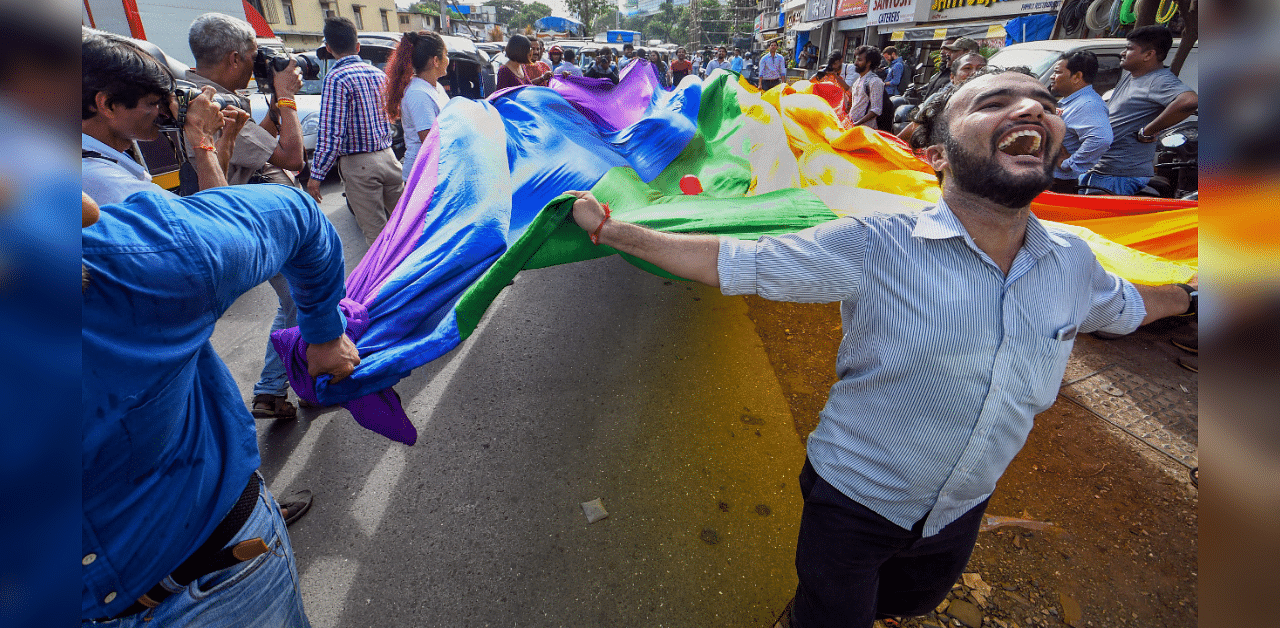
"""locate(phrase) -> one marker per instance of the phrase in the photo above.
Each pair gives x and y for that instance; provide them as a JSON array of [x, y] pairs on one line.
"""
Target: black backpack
[[884, 121]]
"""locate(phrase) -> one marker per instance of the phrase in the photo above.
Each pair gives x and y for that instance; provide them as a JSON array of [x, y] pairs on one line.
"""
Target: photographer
[[225, 49], [123, 92]]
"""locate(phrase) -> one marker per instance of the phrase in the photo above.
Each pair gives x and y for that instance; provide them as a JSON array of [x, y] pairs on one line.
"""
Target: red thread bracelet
[[595, 235]]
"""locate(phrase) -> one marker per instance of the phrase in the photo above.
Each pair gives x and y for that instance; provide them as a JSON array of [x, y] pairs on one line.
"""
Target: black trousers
[[767, 84], [855, 566]]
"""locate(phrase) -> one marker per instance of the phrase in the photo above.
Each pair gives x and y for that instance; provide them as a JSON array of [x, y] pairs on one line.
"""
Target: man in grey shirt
[[1148, 100], [927, 414]]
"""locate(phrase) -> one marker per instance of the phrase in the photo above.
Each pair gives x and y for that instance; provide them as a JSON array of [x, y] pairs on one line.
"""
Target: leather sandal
[[295, 506], [273, 407]]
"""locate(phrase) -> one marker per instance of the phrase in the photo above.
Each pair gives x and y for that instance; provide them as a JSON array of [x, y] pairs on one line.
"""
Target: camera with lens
[[269, 61], [185, 92]]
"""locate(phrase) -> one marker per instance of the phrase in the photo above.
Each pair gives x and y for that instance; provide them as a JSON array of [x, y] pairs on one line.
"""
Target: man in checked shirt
[[958, 323], [354, 133]]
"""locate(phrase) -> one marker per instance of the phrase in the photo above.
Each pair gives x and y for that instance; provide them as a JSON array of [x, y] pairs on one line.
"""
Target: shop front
[[851, 25], [932, 21], [818, 27]]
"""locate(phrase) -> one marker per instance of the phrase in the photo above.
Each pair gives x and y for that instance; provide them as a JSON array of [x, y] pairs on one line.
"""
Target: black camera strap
[[93, 154]]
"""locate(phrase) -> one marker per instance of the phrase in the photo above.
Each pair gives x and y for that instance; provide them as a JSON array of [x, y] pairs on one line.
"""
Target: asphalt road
[[592, 380]]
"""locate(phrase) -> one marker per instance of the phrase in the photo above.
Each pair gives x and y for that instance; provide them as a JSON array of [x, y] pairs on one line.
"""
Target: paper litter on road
[[594, 510]]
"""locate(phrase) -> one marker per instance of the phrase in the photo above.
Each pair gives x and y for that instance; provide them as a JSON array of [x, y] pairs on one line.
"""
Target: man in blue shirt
[[893, 80], [720, 62], [1085, 114], [772, 68], [735, 61], [628, 55], [172, 501], [927, 413]]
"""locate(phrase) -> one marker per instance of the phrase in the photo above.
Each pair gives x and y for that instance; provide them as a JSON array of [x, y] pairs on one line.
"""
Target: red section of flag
[[255, 19]]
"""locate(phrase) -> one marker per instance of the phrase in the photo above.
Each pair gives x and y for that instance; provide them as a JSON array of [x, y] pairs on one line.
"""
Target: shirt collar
[[88, 142], [1083, 92], [939, 223], [347, 59]]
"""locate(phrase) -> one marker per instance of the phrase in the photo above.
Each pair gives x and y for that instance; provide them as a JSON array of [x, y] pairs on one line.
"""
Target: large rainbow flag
[[485, 200]]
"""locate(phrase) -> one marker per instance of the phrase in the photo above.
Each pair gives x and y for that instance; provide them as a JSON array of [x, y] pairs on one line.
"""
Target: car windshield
[[1038, 61], [311, 88]]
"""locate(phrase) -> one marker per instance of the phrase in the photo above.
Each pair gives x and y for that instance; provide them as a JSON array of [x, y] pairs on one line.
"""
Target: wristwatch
[[1143, 137], [1195, 299]]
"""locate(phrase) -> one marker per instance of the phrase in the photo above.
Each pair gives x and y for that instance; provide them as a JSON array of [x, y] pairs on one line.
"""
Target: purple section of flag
[[403, 231], [380, 412], [598, 99]]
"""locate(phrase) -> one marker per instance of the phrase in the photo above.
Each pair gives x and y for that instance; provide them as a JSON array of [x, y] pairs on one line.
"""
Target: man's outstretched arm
[[1167, 300], [684, 255]]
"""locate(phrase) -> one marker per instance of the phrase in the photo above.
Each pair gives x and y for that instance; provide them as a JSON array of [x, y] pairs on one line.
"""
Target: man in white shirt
[[124, 90], [866, 93], [721, 62]]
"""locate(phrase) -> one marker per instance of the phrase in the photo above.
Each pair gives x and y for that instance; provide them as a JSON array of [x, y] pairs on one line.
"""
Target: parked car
[[1040, 56]]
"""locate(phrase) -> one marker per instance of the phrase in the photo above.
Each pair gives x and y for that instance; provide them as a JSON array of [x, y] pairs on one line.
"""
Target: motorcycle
[[1176, 165]]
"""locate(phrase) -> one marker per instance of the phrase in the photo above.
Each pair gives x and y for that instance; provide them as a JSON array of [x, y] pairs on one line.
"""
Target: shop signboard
[[891, 12], [819, 10], [982, 9], [846, 8]]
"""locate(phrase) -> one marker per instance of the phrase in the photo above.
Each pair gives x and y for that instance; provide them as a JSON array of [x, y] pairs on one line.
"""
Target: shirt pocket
[[151, 428], [1046, 365]]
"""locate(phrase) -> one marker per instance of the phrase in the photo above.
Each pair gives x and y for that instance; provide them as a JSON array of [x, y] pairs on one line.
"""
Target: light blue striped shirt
[[945, 361]]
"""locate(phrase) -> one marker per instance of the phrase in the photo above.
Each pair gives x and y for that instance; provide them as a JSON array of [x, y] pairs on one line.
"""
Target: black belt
[[212, 555]]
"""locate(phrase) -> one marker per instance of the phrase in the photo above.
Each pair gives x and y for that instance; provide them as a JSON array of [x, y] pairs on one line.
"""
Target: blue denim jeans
[[273, 380], [262, 592], [1124, 186]]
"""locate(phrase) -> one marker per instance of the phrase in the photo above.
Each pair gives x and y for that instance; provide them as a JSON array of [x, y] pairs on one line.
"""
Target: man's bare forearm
[[1163, 301], [289, 153], [209, 169], [684, 255], [1180, 109]]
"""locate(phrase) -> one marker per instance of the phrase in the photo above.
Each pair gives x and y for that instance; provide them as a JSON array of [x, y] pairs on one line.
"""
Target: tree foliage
[[589, 11], [433, 8], [528, 14], [504, 10], [718, 23]]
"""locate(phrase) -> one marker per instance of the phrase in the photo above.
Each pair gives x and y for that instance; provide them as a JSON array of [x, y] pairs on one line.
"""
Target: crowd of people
[[166, 430]]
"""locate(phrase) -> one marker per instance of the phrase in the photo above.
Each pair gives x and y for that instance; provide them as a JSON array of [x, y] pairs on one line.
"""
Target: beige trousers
[[373, 185]]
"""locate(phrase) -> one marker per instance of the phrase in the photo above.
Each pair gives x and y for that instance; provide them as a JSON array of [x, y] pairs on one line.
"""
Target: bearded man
[[928, 412]]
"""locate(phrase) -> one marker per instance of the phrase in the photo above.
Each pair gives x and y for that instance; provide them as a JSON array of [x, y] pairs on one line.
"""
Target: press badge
[[1066, 334]]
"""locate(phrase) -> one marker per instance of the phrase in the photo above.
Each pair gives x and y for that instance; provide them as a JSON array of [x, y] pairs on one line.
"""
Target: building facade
[[300, 23]]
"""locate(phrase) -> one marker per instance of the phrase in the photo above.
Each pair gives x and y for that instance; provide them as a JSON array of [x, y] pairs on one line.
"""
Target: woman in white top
[[413, 91]]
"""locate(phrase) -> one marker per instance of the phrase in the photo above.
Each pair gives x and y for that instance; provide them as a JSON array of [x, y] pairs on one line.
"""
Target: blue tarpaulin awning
[[561, 24], [1029, 28]]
